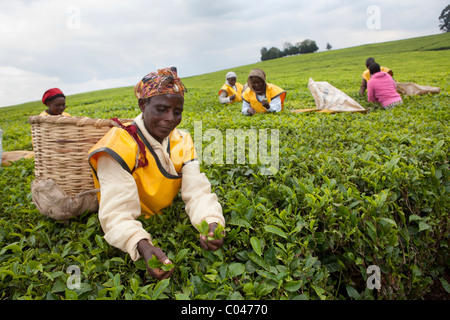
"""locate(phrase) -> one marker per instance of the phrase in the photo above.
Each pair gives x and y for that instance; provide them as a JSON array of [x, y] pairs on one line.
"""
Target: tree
[[308, 46], [287, 48], [274, 53], [329, 46], [444, 19], [264, 55], [295, 50], [297, 47]]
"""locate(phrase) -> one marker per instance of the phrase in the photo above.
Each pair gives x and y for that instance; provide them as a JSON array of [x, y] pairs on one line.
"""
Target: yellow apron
[[156, 187], [366, 73], [44, 113], [272, 91], [230, 91]]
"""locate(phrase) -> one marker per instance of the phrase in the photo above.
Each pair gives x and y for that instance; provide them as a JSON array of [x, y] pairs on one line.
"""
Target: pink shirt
[[382, 88]]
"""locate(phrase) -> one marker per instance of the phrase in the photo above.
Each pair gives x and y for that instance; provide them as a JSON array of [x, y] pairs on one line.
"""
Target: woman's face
[[56, 106], [257, 84], [232, 81], [161, 114]]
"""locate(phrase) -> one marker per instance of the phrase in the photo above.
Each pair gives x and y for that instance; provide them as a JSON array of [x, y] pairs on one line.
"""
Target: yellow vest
[[230, 91], [366, 73], [272, 91], [44, 113], [156, 187]]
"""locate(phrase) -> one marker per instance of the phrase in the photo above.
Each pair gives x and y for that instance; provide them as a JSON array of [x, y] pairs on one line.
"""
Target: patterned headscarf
[[163, 81]]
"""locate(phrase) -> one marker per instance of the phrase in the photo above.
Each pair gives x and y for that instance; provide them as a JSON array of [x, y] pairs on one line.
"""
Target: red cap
[[52, 93]]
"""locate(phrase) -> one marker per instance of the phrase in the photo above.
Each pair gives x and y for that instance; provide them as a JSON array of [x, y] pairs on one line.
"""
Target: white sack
[[53, 202], [328, 97]]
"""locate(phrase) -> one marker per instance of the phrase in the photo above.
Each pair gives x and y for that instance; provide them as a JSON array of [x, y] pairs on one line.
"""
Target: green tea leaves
[[203, 228], [235, 269], [219, 232], [256, 245], [349, 191], [275, 230], [154, 263], [159, 288]]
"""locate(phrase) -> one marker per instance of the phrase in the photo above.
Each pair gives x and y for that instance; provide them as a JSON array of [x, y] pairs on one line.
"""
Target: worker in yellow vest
[[366, 75], [140, 167], [231, 91], [261, 96]]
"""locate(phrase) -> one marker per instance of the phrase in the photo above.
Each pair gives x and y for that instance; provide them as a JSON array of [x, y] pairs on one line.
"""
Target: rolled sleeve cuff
[[131, 246]]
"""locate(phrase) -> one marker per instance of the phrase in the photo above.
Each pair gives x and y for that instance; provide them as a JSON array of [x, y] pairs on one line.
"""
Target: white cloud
[[19, 86]]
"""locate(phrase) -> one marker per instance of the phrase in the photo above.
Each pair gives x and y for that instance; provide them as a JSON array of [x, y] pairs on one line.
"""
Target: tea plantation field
[[351, 191]]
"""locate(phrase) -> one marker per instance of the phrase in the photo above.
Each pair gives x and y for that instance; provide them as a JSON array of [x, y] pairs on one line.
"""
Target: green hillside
[[403, 56], [421, 60], [351, 191]]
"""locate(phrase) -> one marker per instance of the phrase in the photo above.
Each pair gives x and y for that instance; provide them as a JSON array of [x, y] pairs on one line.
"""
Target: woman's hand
[[148, 251], [265, 104], [211, 244]]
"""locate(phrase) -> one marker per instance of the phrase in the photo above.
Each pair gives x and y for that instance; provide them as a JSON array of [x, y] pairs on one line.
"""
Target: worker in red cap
[[55, 101]]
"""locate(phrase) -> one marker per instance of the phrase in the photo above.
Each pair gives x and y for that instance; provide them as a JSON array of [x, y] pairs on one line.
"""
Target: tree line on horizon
[[306, 46]]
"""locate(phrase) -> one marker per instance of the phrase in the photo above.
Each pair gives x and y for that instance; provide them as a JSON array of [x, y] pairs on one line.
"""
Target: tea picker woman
[[382, 88], [366, 74], [261, 96], [231, 91], [141, 167], [55, 100]]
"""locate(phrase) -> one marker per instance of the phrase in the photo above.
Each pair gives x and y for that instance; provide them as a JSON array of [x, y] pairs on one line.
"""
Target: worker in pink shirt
[[382, 88]]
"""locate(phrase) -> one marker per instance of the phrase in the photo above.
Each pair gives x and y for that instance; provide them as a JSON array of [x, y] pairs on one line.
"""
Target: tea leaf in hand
[[154, 263], [203, 228], [218, 232], [167, 267]]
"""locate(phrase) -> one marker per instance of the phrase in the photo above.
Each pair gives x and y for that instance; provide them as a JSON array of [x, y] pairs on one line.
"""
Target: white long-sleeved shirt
[[223, 99], [120, 204], [275, 104]]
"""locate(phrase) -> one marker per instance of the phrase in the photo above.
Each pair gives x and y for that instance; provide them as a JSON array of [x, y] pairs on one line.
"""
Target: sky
[[86, 45]]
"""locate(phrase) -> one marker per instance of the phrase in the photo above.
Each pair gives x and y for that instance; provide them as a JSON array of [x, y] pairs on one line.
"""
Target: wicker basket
[[61, 145]]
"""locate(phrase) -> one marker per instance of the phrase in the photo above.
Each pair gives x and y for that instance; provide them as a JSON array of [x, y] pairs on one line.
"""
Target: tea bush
[[351, 191]]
